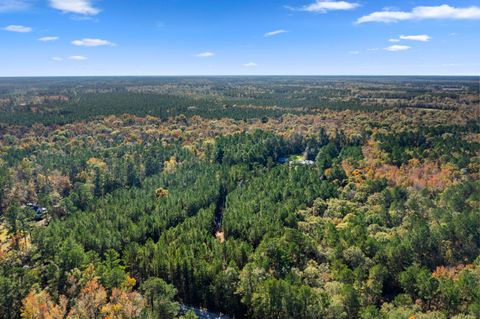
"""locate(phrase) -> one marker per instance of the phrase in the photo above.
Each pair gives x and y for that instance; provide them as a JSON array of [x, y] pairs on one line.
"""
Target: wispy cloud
[[75, 6], [48, 39], [56, 58], [420, 37], [250, 65], [354, 52], [324, 6], [205, 55], [14, 5], [88, 42], [422, 13], [83, 18], [18, 28], [77, 58], [273, 33], [396, 47], [393, 40]]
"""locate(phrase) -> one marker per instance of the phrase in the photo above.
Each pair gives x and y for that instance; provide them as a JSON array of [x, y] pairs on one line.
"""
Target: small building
[[202, 313], [39, 211], [301, 162]]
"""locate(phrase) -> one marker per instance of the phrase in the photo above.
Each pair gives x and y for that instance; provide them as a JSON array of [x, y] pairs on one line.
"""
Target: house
[[202, 313], [301, 162], [39, 211]]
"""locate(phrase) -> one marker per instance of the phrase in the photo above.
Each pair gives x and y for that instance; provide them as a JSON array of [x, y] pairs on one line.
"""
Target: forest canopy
[[249, 197]]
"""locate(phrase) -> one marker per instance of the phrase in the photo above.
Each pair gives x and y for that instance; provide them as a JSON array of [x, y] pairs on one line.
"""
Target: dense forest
[[27, 101], [262, 198]]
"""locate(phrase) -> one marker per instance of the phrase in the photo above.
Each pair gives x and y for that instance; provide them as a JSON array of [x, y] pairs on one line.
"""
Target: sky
[[239, 37]]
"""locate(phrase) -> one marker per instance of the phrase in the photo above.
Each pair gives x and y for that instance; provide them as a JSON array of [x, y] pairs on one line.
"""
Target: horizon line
[[243, 75]]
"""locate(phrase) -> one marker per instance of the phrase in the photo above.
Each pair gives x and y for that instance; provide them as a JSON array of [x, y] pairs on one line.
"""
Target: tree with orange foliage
[[161, 192], [90, 301], [124, 305], [39, 305]]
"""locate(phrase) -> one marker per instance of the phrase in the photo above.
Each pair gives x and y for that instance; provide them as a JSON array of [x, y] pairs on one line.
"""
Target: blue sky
[[228, 37]]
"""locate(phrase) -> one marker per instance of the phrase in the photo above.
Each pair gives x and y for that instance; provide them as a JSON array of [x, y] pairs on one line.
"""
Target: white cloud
[[250, 65], [77, 58], [92, 43], [354, 52], [48, 39], [273, 33], [75, 6], [17, 28], [420, 37], [421, 13], [393, 40], [396, 47], [205, 55], [372, 49], [14, 5], [324, 6], [56, 58]]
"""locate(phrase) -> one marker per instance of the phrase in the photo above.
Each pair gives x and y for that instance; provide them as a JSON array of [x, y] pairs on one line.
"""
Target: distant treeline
[[25, 101], [91, 105]]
